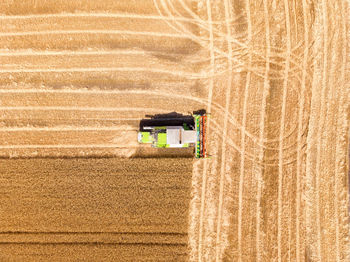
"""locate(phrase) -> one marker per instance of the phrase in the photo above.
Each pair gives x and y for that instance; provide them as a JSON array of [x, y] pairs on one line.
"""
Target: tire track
[[209, 103], [234, 40], [321, 124], [328, 240], [341, 118], [217, 33], [262, 128], [195, 38], [244, 118], [223, 147], [299, 181], [280, 155]]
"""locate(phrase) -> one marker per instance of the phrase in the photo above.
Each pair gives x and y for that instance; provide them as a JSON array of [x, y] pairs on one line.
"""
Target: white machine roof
[[176, 135], [173, 136], [188, 136]]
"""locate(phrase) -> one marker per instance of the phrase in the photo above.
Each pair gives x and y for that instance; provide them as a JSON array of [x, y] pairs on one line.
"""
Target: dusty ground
[[76, 77]]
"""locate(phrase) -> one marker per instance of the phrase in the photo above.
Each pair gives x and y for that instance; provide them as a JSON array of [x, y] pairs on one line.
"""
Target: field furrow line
[[79, 108], [67, 128], [6, 52], [109, 15], [283, 112], [64, 146], [299, 180], [109, 32], [101, 69]]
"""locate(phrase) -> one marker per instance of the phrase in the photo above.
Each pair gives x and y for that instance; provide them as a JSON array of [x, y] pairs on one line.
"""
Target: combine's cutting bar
[[200, 121]]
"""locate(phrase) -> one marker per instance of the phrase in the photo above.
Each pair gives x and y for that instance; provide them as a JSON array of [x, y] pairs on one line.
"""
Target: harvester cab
[[174, 130]]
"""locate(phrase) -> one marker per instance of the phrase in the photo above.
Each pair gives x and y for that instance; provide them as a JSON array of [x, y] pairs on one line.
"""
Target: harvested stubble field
[[77, 76]]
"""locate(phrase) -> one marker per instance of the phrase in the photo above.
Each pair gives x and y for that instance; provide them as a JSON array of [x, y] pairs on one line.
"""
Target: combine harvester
[[175, 130]]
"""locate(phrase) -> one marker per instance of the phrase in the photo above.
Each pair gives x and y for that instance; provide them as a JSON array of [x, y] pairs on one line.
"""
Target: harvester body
[[175, 130]]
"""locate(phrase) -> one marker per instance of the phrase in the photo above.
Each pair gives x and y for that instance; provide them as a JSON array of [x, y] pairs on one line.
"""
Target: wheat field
[[77, 76]]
